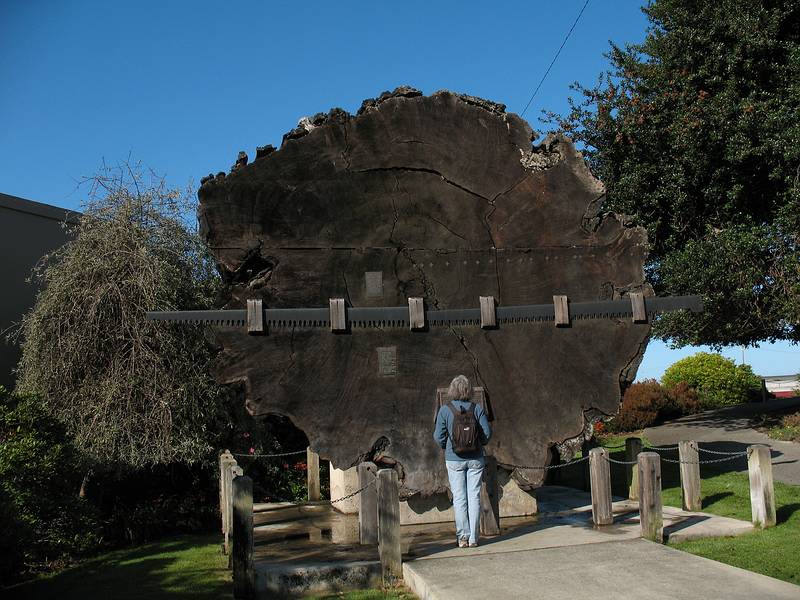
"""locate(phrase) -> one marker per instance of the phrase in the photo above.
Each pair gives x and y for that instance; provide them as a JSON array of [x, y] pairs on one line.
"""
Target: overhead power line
[[569, 33]]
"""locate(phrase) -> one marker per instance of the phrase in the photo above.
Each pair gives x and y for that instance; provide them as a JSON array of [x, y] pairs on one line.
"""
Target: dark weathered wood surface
[[490, 499], [312, 475], [243, 568], [633, 447], [367, 505], [389, 525], [441, 197], [651, 508]]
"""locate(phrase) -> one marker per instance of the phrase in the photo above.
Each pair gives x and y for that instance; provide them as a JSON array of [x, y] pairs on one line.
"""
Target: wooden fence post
[[490, 501], [600, 478], [389, 525], [243, 569], [690, 475], [224, 458], [762, 488], [312, 472], [633, 447], [650, 508], [227, 483], [586, 448], [367, 505], [234, 471]]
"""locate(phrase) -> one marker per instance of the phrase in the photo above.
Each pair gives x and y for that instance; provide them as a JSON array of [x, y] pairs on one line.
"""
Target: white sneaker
[[462, 543]]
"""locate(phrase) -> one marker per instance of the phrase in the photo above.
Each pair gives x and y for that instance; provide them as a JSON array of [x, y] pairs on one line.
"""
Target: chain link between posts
[[343, 498], [325, 502], [721, 453], [619, 462], [277, 455], [726, 456], [731, 456], [705, 462], [547, 467]]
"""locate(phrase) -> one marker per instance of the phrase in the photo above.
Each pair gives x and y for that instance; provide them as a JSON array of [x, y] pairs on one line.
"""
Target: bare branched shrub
[[130, 391]]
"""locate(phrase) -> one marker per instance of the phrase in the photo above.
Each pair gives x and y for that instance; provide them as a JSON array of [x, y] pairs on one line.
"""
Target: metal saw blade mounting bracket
[[339, 318]]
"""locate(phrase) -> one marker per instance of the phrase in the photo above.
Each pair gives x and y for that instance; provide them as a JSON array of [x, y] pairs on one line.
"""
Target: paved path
[[614, 570], [562, 556], [730, 429]]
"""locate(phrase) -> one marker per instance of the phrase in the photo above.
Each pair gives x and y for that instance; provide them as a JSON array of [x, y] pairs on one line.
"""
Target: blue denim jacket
[[442, 432]]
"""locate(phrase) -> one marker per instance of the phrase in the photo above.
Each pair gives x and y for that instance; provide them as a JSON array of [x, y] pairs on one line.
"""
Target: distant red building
[[783, 386]]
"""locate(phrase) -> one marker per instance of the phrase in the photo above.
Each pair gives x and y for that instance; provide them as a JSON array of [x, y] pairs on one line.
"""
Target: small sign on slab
[[387, 361], [373, 281]]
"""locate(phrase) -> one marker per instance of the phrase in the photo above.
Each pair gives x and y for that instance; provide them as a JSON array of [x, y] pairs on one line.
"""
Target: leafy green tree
[[719, 381], [696, 134], [44, 521], [130, 392]]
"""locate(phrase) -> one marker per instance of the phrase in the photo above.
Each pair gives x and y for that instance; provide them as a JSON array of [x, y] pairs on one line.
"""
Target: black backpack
[[465, 436]]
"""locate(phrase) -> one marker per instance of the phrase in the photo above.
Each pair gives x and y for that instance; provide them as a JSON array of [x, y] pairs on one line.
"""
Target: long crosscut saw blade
[[397, 316]]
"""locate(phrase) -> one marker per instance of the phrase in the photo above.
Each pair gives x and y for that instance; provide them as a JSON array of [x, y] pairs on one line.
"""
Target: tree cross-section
[[442, 198]]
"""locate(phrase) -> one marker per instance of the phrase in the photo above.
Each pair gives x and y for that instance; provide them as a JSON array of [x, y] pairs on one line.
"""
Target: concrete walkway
[[614, 570], [561, 555], [731, 429]]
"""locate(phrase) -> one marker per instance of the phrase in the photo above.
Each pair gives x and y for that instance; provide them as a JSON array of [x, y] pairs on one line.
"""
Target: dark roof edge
[[39, 209]]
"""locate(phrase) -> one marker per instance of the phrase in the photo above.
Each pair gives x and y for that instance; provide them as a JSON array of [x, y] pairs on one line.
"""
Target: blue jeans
[[465, 483]]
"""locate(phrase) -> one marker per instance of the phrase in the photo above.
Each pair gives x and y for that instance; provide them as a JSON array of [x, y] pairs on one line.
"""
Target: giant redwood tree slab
[[443, 197]]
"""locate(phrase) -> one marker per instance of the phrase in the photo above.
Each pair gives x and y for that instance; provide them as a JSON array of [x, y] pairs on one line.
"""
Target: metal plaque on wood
[[478, 397], [374, 284], [387, 361]]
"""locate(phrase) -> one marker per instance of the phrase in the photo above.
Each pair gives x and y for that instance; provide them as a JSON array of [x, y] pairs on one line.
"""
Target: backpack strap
[[455, 410]]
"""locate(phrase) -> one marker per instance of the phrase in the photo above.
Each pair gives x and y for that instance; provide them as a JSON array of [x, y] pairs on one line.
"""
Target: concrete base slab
[[317, 578], [316, 551], [513, 501], [615, 570]]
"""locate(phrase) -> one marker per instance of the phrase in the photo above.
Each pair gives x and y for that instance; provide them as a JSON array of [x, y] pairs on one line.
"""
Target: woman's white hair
[[459, 388]]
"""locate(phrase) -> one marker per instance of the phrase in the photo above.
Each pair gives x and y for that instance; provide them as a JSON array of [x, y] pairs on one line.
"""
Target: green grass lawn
[[190, 566], [180, 567], [774, 551]]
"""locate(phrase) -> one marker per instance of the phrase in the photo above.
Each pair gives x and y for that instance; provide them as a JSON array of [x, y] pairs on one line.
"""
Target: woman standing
[[462, 430]]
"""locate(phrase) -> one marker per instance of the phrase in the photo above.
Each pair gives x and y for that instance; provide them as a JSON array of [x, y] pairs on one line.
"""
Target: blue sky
[[183, 86]]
